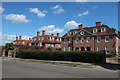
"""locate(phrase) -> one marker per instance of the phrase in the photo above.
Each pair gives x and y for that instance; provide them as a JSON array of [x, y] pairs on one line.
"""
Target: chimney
[[19, 37], [98, 24], [16, 38], [38, 33], [43, 32], [52, 34], [57, 34], [80, 26]]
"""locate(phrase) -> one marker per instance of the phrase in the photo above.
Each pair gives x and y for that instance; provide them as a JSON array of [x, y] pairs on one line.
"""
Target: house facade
[[43, 41], [97, 38]]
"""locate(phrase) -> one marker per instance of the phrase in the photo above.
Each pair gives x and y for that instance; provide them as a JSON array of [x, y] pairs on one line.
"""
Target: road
[[18, 69]]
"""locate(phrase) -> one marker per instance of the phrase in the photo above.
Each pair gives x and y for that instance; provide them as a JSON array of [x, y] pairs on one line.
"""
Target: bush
[[50, 48], [76, 56], [110, 55]]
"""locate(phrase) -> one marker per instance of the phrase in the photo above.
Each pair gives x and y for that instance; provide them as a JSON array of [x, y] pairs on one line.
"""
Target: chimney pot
[[80, 26], [52, 34], [16, 38], [57, 34], [19, 37], [38, 33], [98, 24], [43, 32]]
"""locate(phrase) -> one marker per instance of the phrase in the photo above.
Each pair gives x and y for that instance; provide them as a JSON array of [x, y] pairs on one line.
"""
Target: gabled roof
[[90, 30]]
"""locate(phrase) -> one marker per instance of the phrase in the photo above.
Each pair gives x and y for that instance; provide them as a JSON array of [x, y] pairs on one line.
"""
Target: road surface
[[18, 69]]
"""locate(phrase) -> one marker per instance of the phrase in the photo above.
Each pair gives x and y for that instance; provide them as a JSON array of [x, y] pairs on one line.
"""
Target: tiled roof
[[90, 29]]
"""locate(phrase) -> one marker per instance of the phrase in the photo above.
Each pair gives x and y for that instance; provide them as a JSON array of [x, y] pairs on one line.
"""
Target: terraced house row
[[96, 38]]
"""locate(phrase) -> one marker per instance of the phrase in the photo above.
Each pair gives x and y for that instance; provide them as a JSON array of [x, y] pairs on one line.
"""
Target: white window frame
[[108, 50], [60, 39], [69, 33], [102, 30], [94, 29], [105, 38], [57, 39], [98, 49], [70, 40], [70, 48], [97, 38], [74, 32], [76, 40], [88, 39], [64, 48], [82, 32], [81, 39], [40, 44]]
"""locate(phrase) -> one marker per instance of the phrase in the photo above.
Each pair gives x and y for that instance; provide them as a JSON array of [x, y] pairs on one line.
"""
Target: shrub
[[50, 48], [77, 48], [110, 55], [76, 56]]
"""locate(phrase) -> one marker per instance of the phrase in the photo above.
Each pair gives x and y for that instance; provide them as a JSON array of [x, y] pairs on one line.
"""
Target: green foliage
[[115, 29], [110, 55], [9, 46], [50, 48], [76, 56], [77, 48]]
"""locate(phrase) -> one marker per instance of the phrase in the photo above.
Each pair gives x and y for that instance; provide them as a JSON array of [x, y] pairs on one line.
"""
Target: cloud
[[6, 38], [44, 11], [58, 9], [51, 29], [1, 9], [71, 24], [38, 12], [84, 13], [16, 18], [94, 7]]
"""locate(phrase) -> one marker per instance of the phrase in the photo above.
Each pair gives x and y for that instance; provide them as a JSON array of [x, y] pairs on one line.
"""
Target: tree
[[115, 29], [9, 46]]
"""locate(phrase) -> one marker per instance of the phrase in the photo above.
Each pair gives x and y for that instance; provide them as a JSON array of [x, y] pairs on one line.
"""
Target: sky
[[26, 18]]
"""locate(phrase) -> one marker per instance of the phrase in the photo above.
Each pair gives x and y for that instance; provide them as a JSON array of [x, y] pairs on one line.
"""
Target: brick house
[[46, 40], [42, 41], [19, 42], [97, 38]]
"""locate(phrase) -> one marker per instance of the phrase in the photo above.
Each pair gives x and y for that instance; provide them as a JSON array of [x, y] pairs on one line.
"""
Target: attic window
[[74, 32], [69, 33], [94, 30], [102, 29]]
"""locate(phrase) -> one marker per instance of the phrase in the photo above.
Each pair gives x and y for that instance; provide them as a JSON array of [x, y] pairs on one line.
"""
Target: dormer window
[[74, 32], [57, 39], [102, 29], [94, 30], [39, 38], [70, 40], [82, 33], [52, 38], [69, 33], [60, 39]]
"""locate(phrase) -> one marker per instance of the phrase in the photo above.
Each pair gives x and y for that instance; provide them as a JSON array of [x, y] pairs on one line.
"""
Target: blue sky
[[26, 18]]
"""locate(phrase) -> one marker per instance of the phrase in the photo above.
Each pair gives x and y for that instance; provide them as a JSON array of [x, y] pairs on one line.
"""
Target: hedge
[[75, 56]]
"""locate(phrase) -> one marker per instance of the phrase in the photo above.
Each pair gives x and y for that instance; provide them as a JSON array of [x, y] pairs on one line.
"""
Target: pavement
[[21, 69]]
